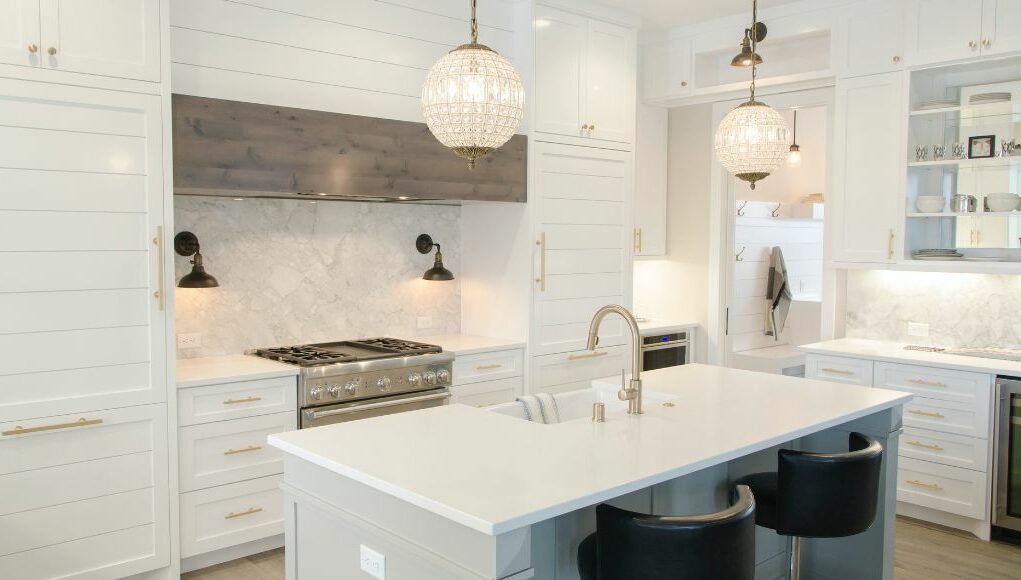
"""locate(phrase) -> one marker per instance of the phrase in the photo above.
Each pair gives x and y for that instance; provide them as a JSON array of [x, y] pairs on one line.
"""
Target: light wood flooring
[[923, 553]]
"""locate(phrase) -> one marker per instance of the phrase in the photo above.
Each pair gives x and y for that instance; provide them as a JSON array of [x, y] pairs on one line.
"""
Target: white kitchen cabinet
[[650, 199], [583, 244], [1001, 31], [839, 369], [944, 30], [231, 515], [488, 378], [585, 72], [560, 373], [868, 169], [19, 32], [872, 36]]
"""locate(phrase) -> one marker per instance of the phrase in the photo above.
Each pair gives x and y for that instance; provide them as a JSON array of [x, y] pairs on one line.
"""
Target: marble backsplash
[[295, 272], [973, 310]]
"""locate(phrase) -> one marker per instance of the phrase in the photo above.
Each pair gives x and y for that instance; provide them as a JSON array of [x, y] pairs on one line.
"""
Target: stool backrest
[[829, 495], [718, 546]]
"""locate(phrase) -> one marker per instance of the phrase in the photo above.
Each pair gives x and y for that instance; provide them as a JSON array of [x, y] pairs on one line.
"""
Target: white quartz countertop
[[196, 372], [664, 325], [894, 352], [465, 344], [495, 473]]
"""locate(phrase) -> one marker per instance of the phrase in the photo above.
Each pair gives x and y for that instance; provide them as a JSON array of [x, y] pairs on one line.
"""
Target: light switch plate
[[373, 563], [919, 329], [189, 340]]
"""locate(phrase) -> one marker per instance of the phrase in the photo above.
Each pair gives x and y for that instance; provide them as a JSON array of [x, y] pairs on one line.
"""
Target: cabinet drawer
[[946, 417], [230, 515], [838, 369], [489, 366], [231, 451], [945, 448], [558, 373], [487, 393], [236, 400], [117, 554], [935, 383], [949, 489]]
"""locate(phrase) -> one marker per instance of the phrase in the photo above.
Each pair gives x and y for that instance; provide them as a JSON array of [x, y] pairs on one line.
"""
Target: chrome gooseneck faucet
[[632, 392]]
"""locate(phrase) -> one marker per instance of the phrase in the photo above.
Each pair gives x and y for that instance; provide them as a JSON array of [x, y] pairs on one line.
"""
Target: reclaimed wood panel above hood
[[234, 149]]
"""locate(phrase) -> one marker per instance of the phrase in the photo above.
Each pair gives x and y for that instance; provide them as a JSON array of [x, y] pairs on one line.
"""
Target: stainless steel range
[[357, 379]]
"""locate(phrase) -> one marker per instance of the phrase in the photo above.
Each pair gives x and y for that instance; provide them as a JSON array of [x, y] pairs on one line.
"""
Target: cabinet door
[[610, 82], [651, 156], [583, 233], [869, 170], [116, 38], [19, 32], [559, 71], [874, 39], [1001, 26], [942, 30]]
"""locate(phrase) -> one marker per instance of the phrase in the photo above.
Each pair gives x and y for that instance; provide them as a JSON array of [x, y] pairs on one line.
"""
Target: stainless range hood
[[234, 149]]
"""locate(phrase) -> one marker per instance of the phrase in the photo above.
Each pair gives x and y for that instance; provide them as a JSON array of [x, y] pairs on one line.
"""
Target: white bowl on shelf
[[930, 203], [1002, 202]]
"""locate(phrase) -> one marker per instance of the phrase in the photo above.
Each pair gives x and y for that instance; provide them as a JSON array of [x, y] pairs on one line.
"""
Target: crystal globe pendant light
[[753, 140], [473, 99]]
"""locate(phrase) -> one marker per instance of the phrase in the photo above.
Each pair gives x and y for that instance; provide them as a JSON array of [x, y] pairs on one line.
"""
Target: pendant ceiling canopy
[[473, 99]]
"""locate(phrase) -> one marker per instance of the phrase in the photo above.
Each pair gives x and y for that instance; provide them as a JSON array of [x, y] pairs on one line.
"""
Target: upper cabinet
[[873, 39], [948, 30], [651, 162], [113, 38], [585, 78]]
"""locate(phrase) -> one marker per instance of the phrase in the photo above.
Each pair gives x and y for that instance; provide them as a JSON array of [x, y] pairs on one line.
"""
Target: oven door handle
[[665, 345], [315, 415]]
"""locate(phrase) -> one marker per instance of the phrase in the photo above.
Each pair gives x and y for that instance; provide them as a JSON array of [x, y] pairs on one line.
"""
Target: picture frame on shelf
[[982, 147]]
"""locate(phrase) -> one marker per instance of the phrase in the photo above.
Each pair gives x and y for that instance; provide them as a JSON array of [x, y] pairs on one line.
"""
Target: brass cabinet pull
[[896, 58], [591, 127], [927, 383], [594, 354], [51, 50], [926, 445], [487, 367], [927, 414], [83, 422], [239, 401], [972, 44], [932, 486], [838, 372], [541, 242], [987, 42], [892, 237], [638, 240], [247, 512], [245, 450], [157, 241], [33, 48]]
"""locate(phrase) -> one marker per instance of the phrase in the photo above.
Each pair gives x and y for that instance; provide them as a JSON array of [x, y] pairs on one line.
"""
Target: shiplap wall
[[801, 241], [361, 57]]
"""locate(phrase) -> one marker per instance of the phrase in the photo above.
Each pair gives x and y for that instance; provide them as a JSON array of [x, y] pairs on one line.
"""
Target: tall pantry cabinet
[[85, 213]]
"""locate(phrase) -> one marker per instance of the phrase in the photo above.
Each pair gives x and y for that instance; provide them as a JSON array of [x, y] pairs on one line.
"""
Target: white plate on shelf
[[938, 258]]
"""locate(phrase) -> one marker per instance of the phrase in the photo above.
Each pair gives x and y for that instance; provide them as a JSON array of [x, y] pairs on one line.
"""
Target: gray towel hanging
[[778, 294]]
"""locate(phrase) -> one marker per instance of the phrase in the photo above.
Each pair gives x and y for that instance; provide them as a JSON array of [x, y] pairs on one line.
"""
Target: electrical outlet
[[189, 340], [373, 563], [425, 322], [919, 329]]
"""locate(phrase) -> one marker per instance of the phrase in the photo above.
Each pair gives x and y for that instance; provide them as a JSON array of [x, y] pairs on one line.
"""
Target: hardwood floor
[[923, 553]]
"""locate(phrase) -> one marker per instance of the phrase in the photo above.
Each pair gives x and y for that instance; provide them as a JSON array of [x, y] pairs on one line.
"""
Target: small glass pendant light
[[794, 156]]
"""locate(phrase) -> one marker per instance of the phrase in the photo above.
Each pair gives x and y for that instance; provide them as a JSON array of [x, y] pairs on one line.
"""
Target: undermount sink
[[577, 405]]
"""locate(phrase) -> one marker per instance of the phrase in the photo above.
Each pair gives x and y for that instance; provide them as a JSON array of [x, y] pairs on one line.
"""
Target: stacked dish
[[930, 203], [985, 98], [938, 104], [1002, 202], [936, 255]]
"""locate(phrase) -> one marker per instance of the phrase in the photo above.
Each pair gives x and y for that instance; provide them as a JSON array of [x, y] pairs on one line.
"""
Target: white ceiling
[[670, 13]]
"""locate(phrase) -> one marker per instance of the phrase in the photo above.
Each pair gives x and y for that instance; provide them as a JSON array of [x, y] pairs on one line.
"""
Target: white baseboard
[[232, 553], [979, 528]]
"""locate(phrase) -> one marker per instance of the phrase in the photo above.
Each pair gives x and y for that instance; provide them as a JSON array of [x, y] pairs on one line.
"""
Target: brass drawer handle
[[239, 401], [927, 383], [838, 372], [245, 450], [926, 445], [83, 422], [927, 414], [51, 50], [33, 48], [247, 512], [585, 356], [487, 367], [932, 486], [541, 280]]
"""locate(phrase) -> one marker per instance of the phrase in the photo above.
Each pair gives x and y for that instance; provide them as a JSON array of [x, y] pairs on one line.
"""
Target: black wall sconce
[[425, 244], [187, 244]]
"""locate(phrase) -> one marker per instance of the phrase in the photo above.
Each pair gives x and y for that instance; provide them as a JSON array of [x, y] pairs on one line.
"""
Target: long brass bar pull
[[926, 445], [247, 512], [83, 422], [925, 383], [541, 242], [585, 356], [159, 294], [240, 401], [932, 486], [242, 450], [838, 372], [927, 414], [893, 236]]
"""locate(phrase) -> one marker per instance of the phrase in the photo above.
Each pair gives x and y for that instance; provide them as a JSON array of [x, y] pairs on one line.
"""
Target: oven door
[[343, 412], [1007, 458], [661, 356]]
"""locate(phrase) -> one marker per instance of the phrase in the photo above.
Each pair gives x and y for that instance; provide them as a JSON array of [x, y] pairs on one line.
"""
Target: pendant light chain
[[475, 23], [755, 43]]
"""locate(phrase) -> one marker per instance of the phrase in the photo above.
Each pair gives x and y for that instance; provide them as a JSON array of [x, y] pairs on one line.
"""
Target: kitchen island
[[459, 492]]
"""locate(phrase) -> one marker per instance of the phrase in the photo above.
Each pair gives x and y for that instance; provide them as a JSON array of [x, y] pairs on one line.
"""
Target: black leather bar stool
[[632, 546], [815, 495]]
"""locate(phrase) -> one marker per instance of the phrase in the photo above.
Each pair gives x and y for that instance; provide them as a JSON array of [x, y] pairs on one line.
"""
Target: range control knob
[[351, 388], [414, 379], [333, 389], [443, 375], [430, 378], [316, 392], [384, 384]]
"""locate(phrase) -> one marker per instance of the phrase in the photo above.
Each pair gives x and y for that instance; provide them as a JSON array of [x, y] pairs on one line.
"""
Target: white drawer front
[[236, 400], [489, 366], [231, 451], [838, 369], [949, 489], [945, 448], [114, 555], [229, 515], [971, 388], [947, 417], [487, 393], [558, 373]]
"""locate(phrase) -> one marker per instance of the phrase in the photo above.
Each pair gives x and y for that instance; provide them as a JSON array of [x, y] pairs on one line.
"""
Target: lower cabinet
[[570, 371], [488, 378], [944, 488], [231, 515]]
